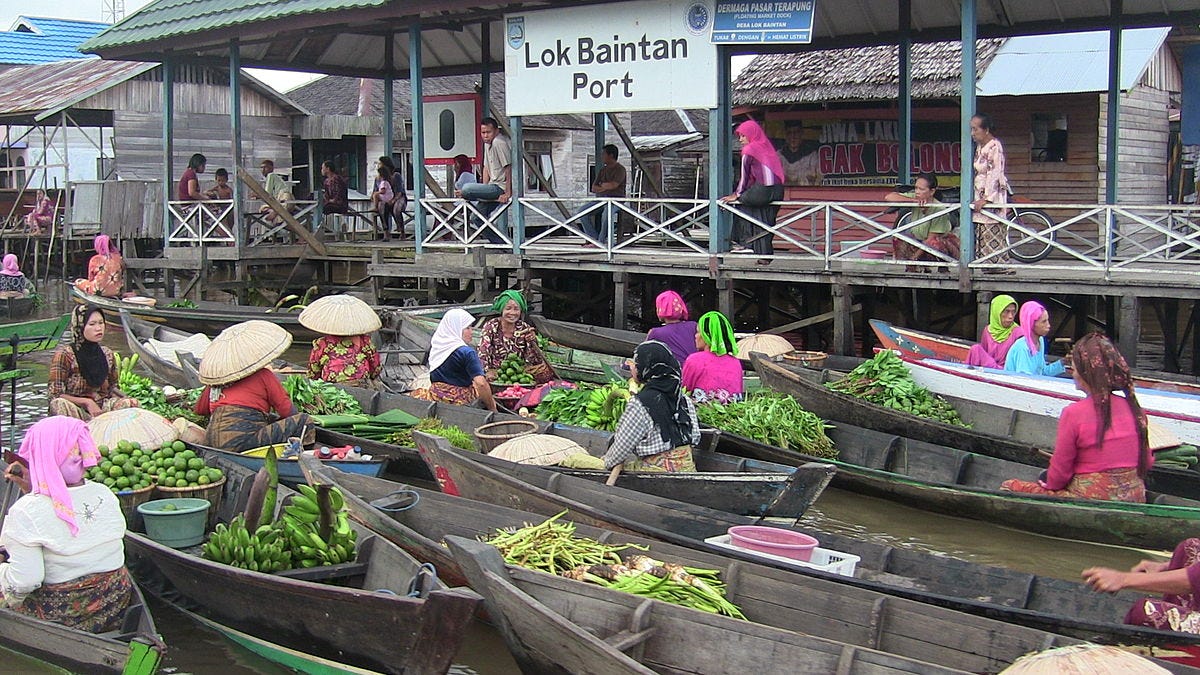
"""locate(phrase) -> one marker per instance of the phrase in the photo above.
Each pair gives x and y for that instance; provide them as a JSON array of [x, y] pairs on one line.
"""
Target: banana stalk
[[271, 465]]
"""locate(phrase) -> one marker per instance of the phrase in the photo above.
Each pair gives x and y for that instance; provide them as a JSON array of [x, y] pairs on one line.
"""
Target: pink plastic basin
[[774, 540], [873, 254]]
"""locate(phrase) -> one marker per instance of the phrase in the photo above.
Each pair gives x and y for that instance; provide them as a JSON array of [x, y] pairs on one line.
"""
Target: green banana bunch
[[300, 518], [605, 406], [264, 550]]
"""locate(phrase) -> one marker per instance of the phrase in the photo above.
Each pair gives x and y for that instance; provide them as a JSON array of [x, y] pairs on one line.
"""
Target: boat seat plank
[[326, 572], [625, 640]]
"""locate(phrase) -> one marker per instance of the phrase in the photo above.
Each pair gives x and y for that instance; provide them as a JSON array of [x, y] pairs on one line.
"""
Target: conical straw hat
[[242, 349], [766, 343], [340, 315], [136, 425], [537, 449]]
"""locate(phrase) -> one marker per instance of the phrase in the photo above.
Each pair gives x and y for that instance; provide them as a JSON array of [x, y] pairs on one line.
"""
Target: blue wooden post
[[235, 122], [967, 110], [1114, 104], [418, 132], [517, 183], [904, 50], [168, 130], [720, 153]]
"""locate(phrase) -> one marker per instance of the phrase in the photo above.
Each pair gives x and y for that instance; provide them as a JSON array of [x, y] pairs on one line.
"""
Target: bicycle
[[1022, 247]]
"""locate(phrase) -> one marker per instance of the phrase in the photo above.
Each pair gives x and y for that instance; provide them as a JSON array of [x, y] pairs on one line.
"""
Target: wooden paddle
[[612, 475]]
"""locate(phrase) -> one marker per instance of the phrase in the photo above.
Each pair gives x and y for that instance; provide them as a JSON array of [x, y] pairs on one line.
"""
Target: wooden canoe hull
[[162, 370], [289, 469], [410, 635], [33, 336], [1048, 604]]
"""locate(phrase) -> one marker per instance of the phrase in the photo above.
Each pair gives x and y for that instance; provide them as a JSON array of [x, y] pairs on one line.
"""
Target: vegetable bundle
[[772, 418], [552, 547], [317, 397], [149, 395], [1178, 457], [885, 380], [591, 407], [432, 425], [379, 427]]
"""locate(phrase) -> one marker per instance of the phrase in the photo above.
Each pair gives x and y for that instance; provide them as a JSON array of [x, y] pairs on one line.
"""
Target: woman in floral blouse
[[510, 334], [83, 374], [991, 187], [344, 353], [106, 270]]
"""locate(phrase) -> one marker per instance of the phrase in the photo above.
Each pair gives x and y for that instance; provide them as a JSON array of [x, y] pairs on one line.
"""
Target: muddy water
[[194, 649]]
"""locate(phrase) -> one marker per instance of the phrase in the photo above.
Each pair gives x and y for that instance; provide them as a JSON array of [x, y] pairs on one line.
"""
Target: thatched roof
[[865, 73]]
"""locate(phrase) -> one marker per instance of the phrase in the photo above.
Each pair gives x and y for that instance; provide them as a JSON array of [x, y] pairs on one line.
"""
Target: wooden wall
[[1071, 182], [145, 95], [1143, 137]]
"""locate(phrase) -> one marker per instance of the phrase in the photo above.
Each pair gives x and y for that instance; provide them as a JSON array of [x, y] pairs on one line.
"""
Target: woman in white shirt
[[63, 557]]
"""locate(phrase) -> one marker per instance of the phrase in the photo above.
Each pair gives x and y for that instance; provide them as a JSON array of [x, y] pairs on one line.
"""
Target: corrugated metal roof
[[664, 141], [1067, 63], [49, 86], [33, 40]]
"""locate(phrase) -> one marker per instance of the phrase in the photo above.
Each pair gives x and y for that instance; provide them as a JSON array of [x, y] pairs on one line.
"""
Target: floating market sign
[[759, 22], [613, 57]]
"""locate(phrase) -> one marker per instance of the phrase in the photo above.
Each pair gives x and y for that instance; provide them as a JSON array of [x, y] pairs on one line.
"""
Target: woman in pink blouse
[[999, 335], [713, 372], [991, 187]]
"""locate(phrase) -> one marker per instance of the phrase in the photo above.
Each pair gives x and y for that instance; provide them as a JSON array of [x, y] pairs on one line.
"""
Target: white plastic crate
[[823, 559]]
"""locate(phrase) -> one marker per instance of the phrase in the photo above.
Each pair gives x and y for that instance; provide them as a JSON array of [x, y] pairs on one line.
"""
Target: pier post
[[983, 310], [620, 300], [843, 319], [1129, 327], [725, 297]]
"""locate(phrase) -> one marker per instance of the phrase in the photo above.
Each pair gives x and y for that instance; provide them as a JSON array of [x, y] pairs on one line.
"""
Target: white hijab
[[448, 336]]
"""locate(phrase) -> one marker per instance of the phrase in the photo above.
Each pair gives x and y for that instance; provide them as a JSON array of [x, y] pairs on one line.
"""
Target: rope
[[414, 586]]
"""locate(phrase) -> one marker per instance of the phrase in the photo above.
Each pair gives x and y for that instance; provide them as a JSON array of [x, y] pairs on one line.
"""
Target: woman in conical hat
[[83, 373], [64, 559], [247, 405], [455, 372], [509, 334], [345, 353]]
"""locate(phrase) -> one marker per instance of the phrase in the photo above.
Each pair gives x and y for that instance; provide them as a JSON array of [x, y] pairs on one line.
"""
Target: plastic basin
[[177, 523], [787, 543]]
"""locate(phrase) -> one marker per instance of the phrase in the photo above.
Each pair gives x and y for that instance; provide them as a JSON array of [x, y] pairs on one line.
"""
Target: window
[[1048, 137], [540, 151]]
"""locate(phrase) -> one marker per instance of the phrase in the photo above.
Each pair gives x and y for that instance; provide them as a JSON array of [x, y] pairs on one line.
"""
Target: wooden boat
[[1172, 411], [134, 649], [726, 482], [338, 609], [289, 470], [917, 344], [551, 622], [163, 370], [33, 336], [995, 431], [782, 598], [206, 317], [599, 339], [1054, 605], [17, 308]]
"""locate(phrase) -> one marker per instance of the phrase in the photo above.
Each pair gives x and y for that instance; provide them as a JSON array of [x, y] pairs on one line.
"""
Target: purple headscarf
[[1030, 313], [58, 449], [103, 245]]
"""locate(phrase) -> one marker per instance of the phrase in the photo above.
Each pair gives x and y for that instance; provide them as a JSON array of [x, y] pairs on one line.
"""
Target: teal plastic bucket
[[177, 523]]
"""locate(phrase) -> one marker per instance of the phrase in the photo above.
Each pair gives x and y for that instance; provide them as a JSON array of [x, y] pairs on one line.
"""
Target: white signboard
[[613, 57], [452, 128]]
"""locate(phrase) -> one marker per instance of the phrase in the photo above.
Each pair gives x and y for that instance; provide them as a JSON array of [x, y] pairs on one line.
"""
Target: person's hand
[[504, 198], [921, 201], [458, 193], [1104, 579], [978, 204], [92, 407], [17, 474], [491, 374], [1149, 567], [729, 198]]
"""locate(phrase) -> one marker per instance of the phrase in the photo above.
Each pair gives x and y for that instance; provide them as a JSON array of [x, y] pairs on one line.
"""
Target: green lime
[[123, 482], [120, 458], [181, 483], [181, 463], [110, 481], [215, 474], [177, 446], [103, 450], [195, 463], [116, 471], [188, 453], [203, 479], [137, 452], [168, 507], [192, 475], [123, 445], [168, 452]]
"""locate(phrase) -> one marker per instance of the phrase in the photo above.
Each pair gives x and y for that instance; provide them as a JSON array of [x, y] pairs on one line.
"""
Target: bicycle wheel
[[1022, 246]]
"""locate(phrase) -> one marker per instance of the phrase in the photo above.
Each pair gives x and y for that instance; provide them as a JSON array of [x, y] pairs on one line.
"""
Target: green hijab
[[717, 333], [503, 298], [998, 332]]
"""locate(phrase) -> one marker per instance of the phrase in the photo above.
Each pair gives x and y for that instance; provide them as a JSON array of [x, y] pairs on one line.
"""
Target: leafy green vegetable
[[432, 425], [885, 380], [318, 397], [772, 418]]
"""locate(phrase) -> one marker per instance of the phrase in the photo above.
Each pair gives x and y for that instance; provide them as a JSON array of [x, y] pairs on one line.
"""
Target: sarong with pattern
[[1171, 612], [1116, 485], [238, 428], [95, 603], [671, 461]]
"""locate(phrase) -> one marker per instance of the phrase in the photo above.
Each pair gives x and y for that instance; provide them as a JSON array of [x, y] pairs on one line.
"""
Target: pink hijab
[[103, 245], [759, 147], [12, 268], [58, 449], [1030, 313], [669, 305]]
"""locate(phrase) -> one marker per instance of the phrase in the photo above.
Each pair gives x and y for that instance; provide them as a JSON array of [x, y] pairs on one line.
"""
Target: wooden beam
[[647, 175], [811, 321], [269, 199]]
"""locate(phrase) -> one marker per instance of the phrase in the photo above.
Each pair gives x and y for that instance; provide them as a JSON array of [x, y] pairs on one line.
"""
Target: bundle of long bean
[[551, 546], [772, 418], [885, 380]]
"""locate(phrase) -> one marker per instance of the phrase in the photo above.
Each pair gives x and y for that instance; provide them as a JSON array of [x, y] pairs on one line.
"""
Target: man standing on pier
[[610, 182]]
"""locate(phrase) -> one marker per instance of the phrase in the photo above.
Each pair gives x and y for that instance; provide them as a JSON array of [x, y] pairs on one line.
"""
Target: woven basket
[[212, 492], [809, 359], [492, 435], [129, 502]]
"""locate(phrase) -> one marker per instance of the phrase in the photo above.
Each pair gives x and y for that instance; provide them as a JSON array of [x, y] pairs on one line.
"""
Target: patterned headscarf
[[670, 307], [448, 336], [662, 393], [717, 333], [1030, 313], [1103, 370], [12, 267], [58, 449], [103, 245], [996, 329], [515, 296], [93, 364]]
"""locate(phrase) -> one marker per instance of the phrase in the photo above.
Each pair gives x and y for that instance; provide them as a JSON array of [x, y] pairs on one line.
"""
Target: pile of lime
[[122, 468], [129, 467], [174, 465], [512, 371]]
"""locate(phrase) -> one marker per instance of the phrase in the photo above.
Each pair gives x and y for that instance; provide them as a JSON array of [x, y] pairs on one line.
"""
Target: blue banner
[[763, 22]]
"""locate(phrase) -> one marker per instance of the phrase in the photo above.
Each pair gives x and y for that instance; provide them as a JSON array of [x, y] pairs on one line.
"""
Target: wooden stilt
[[620, 299], [1129, 328], [843, 319]]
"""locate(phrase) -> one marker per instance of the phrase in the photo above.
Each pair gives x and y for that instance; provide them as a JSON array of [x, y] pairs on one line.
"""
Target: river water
[[194, 649]]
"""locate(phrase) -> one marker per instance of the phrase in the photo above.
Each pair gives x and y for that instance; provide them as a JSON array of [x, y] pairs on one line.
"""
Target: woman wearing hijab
[[83, 373], [246, 404], [455, 372], [511, 334], [714, 372], [42, 216], [106, 270], [659, 427], [1102, 450], [1001, 332], [760, 187], [1027, 355], [677, 333], [13, 283], [64, 559]]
